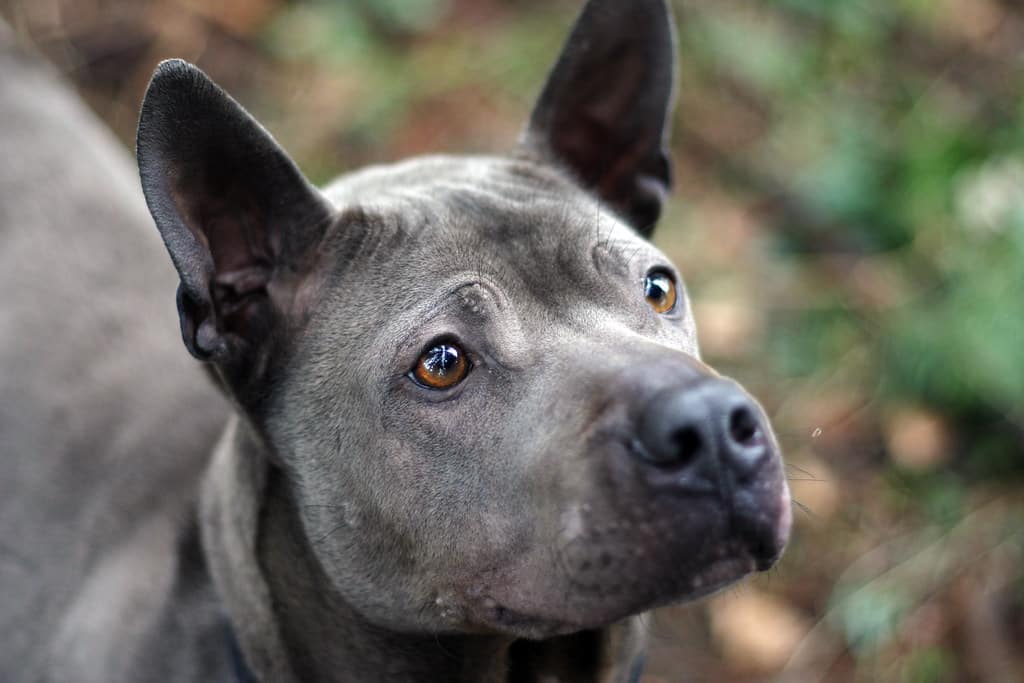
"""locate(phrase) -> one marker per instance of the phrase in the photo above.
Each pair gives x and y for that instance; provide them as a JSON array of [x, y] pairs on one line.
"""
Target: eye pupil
[[441, 366], [655, 288], [660, 291], [440, 360]]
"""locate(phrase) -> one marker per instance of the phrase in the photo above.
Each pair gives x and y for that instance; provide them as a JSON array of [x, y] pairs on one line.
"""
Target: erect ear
[[604, 109], [240, 221]]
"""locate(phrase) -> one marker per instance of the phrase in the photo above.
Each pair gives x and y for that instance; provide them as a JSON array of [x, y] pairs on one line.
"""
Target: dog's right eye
[[442, 366]]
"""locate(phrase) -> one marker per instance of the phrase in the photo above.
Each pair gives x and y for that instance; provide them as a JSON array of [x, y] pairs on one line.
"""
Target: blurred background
[[849, 215]]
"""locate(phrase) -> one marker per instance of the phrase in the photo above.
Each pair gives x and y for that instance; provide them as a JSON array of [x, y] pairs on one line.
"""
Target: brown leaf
[[755, 632], [917, 439]]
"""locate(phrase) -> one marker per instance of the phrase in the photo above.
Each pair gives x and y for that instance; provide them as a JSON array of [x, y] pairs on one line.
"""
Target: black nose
[[704, 432]]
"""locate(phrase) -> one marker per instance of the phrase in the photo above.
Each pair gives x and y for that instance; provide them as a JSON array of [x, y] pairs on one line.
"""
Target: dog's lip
[[492, 614], [768, 543], [783, 530], [719, 574]]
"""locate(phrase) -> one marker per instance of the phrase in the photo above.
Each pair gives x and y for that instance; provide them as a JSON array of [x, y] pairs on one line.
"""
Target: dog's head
[[479, 378]]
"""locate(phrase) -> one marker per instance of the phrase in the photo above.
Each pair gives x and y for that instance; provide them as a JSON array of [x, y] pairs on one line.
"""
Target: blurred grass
[[849, 216]]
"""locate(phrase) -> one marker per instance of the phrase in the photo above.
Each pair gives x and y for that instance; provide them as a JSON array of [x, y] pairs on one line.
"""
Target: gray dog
[[458, 428]]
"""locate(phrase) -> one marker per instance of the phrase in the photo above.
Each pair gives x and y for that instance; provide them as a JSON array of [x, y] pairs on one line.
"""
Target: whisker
[[806, 510], [799, 469], [329, 533]]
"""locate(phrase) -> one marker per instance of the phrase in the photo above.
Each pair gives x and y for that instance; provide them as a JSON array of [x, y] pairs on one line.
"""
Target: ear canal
[[234, 212], [603, 113]]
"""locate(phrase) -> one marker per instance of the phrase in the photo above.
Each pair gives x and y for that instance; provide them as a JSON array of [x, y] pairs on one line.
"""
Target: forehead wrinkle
[[359, 234], [547, 259], [531, 244]]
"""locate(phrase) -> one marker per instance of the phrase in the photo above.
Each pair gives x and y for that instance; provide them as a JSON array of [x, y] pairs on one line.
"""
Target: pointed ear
[[240, 221], [603, 113]]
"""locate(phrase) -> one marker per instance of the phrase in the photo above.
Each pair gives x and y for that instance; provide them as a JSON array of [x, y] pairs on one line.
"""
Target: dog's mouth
[[600, 606], [607, 572]]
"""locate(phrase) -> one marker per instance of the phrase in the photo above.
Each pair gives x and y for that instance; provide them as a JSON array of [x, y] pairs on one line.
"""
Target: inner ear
[[603, 113], [242, 253]]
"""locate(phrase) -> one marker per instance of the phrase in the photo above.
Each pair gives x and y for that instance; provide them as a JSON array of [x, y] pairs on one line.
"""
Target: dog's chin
[[566, 611]]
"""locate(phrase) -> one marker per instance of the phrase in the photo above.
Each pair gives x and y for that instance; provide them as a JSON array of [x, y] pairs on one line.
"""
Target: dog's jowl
[[450, 421]]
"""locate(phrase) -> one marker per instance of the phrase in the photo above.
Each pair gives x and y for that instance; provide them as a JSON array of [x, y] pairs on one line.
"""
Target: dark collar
[[241, 673], [637, 669]]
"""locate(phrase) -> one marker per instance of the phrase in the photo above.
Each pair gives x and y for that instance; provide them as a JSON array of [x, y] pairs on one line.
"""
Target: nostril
[[744, 429], [746, 444], [688, 444]]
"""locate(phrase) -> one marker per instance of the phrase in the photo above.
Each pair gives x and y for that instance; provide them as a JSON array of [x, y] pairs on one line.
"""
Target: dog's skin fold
[[316, 513]]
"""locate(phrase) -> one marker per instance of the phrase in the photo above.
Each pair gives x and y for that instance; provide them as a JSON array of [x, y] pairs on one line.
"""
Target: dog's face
[[480, 379]]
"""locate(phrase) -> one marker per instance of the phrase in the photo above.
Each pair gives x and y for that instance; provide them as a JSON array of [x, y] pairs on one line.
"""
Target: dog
[[450, 421]]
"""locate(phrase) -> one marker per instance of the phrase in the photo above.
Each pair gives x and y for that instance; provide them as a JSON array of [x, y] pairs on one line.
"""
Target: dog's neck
[[329, 640], [230, 504], [289, 624]]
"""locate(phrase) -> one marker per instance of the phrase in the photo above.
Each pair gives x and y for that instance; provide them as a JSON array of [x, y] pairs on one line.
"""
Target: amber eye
[[660, 291], [441, 366]]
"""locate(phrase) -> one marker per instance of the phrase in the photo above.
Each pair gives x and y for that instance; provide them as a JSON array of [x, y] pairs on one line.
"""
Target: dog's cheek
[[351, 491], [466, 510]]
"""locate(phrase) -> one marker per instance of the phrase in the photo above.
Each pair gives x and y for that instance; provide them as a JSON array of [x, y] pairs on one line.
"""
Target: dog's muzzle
[[708, 437]]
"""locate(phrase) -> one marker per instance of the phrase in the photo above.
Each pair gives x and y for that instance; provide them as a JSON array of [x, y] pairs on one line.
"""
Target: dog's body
[[366, 514], [105, 426]]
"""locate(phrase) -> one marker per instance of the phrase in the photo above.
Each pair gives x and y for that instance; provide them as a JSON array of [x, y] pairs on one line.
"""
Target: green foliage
[[929, 665], [939, 496], [869, 616]]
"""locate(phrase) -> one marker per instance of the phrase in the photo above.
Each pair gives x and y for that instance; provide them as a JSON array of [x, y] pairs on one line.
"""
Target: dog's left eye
[[660, 291], [441, 366]]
